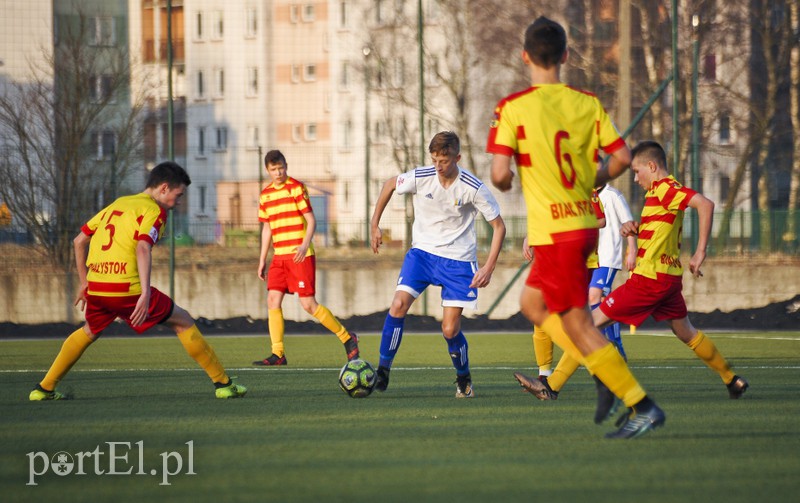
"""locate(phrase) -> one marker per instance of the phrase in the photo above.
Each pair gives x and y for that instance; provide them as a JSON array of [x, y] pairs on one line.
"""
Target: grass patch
[[297, 437]]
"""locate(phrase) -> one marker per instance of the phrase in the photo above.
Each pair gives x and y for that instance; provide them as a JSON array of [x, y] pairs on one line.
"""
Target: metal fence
[[745, 234]]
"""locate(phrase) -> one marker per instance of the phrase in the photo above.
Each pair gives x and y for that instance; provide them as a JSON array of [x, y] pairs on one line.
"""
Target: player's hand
[[376, 239], [300, 254], [527, 251], [262, 271], [695, 262], [80, 298], [629, 229], [139, 314], [481, 279], [630, 261]]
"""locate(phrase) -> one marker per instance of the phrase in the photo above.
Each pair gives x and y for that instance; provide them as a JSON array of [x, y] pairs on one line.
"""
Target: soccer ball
[[357, 378]]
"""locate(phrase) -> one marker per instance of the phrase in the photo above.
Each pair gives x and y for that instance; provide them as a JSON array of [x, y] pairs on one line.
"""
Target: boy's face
[[643, 172], [444, 163], [169, 198], [277, 172]]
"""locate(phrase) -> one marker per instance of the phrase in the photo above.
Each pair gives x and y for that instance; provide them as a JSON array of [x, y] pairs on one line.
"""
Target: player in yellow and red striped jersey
[[655, 287], [285, 210], [113, 254], [555, 134]]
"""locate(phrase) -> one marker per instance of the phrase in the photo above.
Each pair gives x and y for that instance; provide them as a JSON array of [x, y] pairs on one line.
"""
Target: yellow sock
[[543, 350], [607, 364], [567, 366], [707, 351], [195, 344], [330, 322], [71, 351], [553, 327], [276, 330]]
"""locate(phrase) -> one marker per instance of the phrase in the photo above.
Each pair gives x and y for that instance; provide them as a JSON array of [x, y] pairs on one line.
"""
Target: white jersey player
[[443, 251]]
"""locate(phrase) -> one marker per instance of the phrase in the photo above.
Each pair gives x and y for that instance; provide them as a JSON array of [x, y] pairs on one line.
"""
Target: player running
[[655, 287], [555, 133]]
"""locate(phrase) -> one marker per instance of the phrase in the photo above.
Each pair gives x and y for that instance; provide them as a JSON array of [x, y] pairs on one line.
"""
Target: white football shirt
[[444, 219], [609, 246]]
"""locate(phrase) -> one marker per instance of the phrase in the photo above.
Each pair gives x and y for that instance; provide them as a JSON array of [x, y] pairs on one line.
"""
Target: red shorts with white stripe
[[102, 311], [285, 276], [639, 297]]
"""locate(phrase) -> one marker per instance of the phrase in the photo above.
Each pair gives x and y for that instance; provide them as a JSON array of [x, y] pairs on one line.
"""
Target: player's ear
[[565, 56], [525, 57]]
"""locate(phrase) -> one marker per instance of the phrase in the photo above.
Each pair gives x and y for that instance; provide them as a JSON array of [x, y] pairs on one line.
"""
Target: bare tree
[[70, 135]]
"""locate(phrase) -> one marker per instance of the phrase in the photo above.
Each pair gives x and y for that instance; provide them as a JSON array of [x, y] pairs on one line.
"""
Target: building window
[[344, 77], [347, 135], [201, 84], [251, 29], [297, 132], [201, 141], [252, 81], [218, 29], [104, 32], [380, 15], [398, 75], [253, 140], [724, 129], [294, 13], [311, 132], [100, 89], [343, 13], [222, 138], [104, 144], [724, 187], [308, 13], [219, 81], [310, 72], [295, 74], [710, 67], [202, 190], [198, 32]]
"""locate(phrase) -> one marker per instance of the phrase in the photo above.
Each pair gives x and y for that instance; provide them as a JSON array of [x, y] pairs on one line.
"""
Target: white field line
[[293, 370]]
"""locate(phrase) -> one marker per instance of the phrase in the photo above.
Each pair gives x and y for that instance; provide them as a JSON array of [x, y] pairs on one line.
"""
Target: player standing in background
[[113, 254], [555, 133], [444, 251], [285, 210], [655, 287]]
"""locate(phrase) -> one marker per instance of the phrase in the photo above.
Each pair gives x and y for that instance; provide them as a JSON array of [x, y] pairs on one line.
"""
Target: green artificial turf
[[297, 437]]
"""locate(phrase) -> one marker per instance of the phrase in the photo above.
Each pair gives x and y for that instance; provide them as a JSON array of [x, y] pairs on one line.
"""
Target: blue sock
[[612, 333], [390, 339], [458, 349]]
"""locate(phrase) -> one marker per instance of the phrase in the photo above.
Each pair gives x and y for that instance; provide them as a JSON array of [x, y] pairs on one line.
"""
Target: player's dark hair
[[171, 173], [274, 157], [650, 150], [545, 42], [445, 143]]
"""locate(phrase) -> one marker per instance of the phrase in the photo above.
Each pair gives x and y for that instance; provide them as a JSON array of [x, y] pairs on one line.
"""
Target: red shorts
[[102, 311], [639, 297], [559, 271], [285, 276]]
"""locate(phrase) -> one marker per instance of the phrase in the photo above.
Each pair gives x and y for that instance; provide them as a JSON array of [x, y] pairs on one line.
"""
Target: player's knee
[[450, 330]]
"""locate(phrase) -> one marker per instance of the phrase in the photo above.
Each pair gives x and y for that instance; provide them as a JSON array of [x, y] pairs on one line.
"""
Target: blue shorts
[[421, 269], [603, 278]]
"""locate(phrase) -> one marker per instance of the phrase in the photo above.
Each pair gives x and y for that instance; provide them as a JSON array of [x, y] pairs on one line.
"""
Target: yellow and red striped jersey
[[282, 208], [660, 230], [555, 133], [115, 232]]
